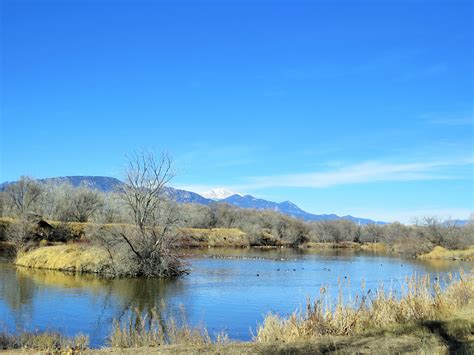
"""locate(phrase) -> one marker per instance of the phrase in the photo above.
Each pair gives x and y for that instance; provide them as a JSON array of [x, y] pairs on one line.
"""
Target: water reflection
[[17, 293], [227, 289], [16, 289], [125, 294]]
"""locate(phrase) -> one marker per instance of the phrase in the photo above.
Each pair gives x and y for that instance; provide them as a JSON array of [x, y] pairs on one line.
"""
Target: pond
[[228, 290]]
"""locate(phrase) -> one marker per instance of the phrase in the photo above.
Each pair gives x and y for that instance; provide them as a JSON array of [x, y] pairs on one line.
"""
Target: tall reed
[[419, 300]]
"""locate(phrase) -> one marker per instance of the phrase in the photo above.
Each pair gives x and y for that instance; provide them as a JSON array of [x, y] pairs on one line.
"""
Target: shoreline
[[83, 258], [442, 323]]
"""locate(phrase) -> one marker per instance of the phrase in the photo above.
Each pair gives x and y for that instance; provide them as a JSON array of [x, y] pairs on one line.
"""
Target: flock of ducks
[[263, 258], [324, 269]]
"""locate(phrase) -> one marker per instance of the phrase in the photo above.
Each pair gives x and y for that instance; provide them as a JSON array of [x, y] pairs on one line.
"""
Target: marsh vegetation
[[429, 316]]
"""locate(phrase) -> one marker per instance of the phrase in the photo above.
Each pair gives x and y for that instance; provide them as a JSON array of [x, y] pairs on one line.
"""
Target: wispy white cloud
[[366, 172], [361, 173]]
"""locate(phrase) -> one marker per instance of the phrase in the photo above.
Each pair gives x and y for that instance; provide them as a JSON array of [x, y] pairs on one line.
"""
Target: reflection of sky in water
[[231, 294]]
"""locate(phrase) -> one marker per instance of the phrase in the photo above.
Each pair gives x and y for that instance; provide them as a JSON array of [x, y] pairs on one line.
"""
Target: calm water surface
[[227, 290]]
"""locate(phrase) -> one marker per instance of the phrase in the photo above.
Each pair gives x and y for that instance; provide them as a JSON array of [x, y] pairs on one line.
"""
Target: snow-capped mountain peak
[[219, 194]]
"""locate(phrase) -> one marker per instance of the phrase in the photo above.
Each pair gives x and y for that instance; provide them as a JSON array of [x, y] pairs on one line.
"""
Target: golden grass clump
[[70, 257], [446, 254], [420, 300], [151, 330]]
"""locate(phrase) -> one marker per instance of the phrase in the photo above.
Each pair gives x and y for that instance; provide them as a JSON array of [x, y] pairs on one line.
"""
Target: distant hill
[[100, 183], [109, 184], [183, 196], [288, 208]]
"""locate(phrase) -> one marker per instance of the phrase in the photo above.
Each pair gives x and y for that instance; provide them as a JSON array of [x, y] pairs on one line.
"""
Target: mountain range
[[109, 184]]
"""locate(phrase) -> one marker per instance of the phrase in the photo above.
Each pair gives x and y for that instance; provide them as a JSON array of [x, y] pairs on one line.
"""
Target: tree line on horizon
[[65, 203]]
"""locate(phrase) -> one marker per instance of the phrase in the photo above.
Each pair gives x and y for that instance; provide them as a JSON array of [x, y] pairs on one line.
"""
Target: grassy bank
[[438, 337], [446, 254], [372, 247], [425, 318], [215, 237], [437, 252]]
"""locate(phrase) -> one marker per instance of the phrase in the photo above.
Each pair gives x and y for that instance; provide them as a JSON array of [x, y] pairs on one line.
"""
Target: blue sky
[[347, 107]]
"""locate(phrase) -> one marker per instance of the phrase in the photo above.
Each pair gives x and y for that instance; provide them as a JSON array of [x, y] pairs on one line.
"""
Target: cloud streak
[[362, 173]]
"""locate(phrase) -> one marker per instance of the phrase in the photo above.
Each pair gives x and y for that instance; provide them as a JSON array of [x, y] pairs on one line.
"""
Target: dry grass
[[420, 301], [446, 254], [216, 237], [70, 257], [413, 340], [372, 247], [150, 330], [44, 341]]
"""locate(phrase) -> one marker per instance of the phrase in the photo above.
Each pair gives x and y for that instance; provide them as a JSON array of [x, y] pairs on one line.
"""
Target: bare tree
[[20, 234], [23, 195], [433, 229], [151, 243], [373, 233], [471, 219], [145, 182], [85, 203], [3, 197], [22, 199]]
